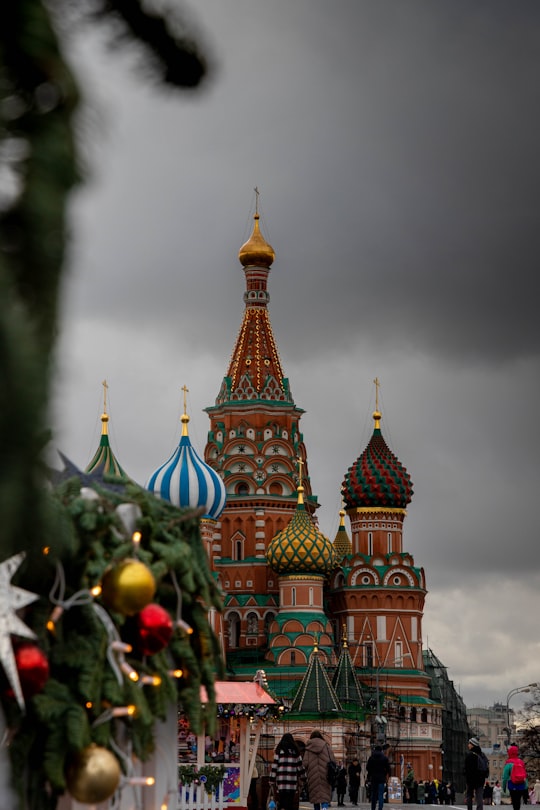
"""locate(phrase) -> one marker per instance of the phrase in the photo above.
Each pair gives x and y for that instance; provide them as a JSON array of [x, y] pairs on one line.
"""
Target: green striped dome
[[300, 548]]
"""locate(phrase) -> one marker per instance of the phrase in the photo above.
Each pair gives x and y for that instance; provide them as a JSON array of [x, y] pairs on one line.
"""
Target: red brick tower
[[254, 442], [378, 595]]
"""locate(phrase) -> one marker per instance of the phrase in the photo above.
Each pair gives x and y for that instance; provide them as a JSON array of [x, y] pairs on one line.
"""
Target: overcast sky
[[396, 149]]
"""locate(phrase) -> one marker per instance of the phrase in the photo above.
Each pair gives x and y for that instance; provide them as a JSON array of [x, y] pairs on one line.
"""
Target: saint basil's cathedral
[[334, 627]]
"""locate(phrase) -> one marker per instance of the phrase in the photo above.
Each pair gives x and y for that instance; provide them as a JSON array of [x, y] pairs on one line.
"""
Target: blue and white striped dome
[[187, 481]]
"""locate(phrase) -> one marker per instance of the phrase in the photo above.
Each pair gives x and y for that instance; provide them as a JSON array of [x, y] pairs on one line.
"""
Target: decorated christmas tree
[[103, 619], [106, 629]]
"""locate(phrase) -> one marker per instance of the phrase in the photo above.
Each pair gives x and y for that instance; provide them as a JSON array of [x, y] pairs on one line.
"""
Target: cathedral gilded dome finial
[[185, 418], [300, 488], [377, 416], [104, 415], [344, 641], [256, 251]]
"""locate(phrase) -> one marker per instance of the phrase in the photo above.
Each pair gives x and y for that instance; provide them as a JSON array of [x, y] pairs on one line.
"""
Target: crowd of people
[[306, 773], [426, 791]]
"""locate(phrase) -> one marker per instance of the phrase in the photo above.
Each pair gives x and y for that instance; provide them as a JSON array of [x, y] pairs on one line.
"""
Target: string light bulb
[[53, 618], [182, 625], [128, 670], [120, 646], [147, 781], [115, 711], [124, 711], [149, 680]]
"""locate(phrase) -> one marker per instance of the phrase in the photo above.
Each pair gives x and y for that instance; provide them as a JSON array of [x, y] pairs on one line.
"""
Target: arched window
[[233, 626], [242, 488], [370, 543], [413, 714], [293, 596], [423, 716], [268, 619], [389, 539], [252, 624]]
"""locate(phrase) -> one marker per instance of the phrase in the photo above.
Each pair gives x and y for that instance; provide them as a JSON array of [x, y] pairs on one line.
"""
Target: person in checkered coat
[[288, 774]]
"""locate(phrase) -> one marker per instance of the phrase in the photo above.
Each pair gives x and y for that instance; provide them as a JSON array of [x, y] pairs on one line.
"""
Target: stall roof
[[248, 692]]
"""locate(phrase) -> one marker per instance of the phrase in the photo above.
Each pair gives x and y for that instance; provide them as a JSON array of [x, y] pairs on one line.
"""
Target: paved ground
[[387, 806]]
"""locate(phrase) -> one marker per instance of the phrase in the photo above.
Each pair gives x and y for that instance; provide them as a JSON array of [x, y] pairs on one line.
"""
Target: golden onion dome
[[300, 548], [256, 251]]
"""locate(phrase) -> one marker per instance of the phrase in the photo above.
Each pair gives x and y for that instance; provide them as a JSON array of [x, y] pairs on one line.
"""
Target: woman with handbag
[[316, 758], [287, 775]]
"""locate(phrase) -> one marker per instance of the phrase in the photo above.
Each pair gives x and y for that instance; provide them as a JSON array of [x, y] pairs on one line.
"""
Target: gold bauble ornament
[[93, 775], [128, 587]]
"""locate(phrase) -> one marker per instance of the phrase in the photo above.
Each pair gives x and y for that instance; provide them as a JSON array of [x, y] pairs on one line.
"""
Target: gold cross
[[300, 466], [186, 391], [256, 190], [377, 386], [105, 386]]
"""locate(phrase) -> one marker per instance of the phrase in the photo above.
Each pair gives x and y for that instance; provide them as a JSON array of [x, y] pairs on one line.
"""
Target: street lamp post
[[510, 694]]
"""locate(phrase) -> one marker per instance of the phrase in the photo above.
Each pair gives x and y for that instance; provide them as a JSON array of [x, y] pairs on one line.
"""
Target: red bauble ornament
[[154, 628], [33, 668]]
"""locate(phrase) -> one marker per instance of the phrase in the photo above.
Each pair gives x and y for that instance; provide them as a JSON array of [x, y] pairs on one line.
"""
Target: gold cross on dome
[[186, 391], [377, 386], [300, 469], [105, 386]]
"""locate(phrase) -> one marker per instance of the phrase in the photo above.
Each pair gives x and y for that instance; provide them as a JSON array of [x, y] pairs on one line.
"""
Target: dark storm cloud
[[396, 149], [403, 138]]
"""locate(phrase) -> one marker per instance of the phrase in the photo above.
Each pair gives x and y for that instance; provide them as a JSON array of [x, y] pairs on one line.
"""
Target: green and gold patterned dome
[[300, 548], [342, 543]]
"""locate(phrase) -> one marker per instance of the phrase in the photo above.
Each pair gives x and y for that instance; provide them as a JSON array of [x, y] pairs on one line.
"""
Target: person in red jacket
[[515, 778]]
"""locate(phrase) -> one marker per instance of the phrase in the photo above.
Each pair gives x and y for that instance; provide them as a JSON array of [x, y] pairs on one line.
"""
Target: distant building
[[456, 732]]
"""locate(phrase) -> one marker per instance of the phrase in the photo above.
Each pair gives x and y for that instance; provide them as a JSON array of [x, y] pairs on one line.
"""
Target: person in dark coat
[[341, 785], [354, 771], [473, 777], [378, 771], [316, 758]]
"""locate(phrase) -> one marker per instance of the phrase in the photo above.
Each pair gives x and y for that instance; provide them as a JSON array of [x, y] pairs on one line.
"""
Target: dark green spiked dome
[[377, 477]]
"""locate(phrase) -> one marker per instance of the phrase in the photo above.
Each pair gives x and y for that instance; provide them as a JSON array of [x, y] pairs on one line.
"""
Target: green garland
[[60, 720], [213, 776]]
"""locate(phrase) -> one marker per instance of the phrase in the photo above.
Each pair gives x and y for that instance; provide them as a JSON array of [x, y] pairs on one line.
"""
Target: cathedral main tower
[[255, 444]]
